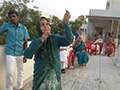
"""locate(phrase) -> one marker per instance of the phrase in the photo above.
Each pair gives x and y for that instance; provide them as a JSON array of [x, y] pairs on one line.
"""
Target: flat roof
[[108, 14]]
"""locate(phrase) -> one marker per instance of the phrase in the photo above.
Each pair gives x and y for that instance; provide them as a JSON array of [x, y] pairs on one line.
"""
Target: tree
[[82, 19], [29, 18], [77, 23], [56, 25]]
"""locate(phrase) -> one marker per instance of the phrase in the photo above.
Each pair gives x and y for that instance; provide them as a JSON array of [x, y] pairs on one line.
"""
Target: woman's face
[[44, 26], [79, 39]]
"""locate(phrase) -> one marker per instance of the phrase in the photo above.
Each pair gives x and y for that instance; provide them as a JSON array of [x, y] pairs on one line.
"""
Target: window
[[107, 5]]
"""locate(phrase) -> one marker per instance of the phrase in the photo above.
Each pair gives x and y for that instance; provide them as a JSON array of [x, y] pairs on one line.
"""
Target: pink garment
[[113, 36]]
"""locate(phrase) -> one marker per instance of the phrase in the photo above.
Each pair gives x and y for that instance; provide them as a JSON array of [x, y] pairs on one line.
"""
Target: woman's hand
[[82, 51], [77, 45], [45, 36], [67, 16]]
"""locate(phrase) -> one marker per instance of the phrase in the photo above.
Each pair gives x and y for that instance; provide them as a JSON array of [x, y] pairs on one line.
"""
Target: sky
[[75, 7]]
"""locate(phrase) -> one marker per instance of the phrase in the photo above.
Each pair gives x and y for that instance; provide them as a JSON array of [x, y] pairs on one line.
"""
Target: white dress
[[63, 57], [97, 41]]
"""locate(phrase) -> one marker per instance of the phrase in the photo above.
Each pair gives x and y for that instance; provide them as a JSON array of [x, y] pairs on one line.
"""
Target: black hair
[[78, 28], [41, 18], [12, 12]]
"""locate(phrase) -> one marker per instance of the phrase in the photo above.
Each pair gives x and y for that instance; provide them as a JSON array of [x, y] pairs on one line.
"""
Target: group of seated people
[[109, 45], [80, 50], [79, 47]]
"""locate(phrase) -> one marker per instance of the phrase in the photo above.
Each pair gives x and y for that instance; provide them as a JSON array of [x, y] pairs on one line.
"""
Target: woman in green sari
[[46, 48], [80, 48]]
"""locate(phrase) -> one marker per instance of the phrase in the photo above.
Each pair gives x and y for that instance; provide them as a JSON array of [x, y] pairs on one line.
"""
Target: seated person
[[80, 48], [63, 57], [112, 35], [98, 42], [109, 47], [95, 37]]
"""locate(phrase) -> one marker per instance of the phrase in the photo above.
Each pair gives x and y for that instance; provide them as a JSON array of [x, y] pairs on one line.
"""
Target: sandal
[[63, 70]]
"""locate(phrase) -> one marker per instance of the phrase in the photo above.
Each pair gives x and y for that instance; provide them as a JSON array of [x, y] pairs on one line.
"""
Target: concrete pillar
[[116, 40], [118, 57], [118, 28], [112, 26]]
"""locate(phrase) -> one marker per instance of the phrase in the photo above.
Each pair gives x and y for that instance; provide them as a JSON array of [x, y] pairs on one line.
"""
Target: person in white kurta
[[98, 41], [63, 57]]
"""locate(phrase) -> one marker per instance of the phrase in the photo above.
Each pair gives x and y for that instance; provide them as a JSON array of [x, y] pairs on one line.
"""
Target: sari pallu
[[82, 57], [47, 76], [48, 80]]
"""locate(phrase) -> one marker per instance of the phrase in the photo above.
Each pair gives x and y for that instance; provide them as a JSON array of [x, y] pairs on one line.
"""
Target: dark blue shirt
[[76, 35]]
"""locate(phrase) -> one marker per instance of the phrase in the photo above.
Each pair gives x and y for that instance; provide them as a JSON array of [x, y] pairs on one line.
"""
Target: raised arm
[[68, 39], [76, 44]]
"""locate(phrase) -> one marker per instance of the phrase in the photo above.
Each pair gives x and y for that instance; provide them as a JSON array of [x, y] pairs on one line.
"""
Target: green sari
[[48, 56], [50, 81], [82, 57]]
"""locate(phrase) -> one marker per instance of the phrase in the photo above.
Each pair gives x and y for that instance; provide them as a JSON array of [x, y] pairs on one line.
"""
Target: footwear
[[63, 71], [84, 64]]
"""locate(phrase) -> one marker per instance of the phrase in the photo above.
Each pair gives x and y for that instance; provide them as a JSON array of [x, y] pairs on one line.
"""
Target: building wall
[[45, 14], [28, 69], [113, 5], [106, 25], [90, 30]]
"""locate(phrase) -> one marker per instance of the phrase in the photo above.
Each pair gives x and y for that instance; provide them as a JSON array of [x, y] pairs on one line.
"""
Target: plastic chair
[[69, 59], [70, 54], [73, 57], [89, 44]]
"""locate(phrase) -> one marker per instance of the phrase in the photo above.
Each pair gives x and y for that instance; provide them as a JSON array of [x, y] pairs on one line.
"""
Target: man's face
[[13, 18]]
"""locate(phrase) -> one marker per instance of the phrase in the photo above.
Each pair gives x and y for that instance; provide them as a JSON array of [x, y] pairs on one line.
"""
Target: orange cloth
[[109, 47]]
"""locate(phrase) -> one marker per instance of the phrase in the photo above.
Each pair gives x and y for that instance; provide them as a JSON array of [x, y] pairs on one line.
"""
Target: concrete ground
[[101, 73]]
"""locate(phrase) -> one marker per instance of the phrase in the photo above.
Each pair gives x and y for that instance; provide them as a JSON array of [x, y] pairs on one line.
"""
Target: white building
[[45, 14], [104, 21], [113, 5]]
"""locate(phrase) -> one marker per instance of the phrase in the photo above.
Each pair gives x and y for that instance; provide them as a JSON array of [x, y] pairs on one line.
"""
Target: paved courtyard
[[101, 73]]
